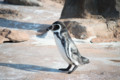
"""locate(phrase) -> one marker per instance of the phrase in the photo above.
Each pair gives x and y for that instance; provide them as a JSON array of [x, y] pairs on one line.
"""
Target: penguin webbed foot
[[66, 69], [75, 67], [63, 69]]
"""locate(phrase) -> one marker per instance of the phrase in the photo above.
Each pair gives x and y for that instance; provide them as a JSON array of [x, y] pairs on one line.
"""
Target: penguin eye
[[56, 27]]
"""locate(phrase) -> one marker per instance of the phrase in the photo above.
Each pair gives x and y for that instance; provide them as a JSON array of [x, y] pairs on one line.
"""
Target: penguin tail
[[85, 60]]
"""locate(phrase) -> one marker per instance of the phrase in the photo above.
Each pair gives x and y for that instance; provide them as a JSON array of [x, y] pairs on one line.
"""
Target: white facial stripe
[[58, 29]]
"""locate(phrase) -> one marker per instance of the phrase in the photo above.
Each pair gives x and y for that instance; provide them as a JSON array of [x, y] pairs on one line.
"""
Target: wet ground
[[39, 58]]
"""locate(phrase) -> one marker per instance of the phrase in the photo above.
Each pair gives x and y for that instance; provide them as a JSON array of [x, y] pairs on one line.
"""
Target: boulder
[[3, 35], [86, 18], [85, 28], [3, 39], [77, 30], [24, 2], [5, 32], [18, 36], [13, 35]]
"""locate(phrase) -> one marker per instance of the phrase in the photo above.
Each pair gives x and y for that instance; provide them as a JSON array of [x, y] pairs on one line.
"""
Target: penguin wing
[[67, 41], [74, 50], [76, 55]]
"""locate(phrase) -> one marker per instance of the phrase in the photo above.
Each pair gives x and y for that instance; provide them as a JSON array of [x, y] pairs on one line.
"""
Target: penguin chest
[[62, 49]]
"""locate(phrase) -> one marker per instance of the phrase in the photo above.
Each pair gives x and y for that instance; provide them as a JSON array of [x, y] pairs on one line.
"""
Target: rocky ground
[[39, 58]]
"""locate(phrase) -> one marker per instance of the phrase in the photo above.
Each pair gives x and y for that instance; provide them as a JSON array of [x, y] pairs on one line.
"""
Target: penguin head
[[57, 26]]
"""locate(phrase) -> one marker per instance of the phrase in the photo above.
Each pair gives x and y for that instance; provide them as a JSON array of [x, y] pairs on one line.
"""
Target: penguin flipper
[[77, 56]]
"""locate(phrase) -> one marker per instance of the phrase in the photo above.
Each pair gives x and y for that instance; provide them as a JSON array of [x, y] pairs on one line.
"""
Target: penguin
[[67, 47]]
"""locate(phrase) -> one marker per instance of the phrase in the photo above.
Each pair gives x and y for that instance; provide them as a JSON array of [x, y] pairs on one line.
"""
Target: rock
[[24, 2], [13, 35], [18, 36], [114, 26], [3, 39], [99, 40], [5, 32], [76, 29], [85, 28], [92, 18], [118, 22]]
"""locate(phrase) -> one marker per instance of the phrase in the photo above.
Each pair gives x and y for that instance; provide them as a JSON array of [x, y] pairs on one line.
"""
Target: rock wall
[[85, 28], [89, 8], [86, 18]]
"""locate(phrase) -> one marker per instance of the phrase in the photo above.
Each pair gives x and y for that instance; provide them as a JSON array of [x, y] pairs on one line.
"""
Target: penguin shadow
[[30, 68], [2, 2]]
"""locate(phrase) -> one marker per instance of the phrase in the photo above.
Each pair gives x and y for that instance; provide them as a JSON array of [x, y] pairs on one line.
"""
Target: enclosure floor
[[23, 61]]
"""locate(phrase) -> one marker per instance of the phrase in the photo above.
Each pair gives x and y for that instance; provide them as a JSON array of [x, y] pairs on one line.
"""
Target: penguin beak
[[49, 28]]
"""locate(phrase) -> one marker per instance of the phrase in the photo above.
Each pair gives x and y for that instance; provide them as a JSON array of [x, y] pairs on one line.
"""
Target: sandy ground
[[39, 58], [23, 61]]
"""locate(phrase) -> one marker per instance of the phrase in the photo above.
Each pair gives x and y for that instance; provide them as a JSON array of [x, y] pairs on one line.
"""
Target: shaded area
[[24, 2], [77, 30], [87, 8], [1, 2], [28, 67], [21, 25], [107, 8], [19, 34]]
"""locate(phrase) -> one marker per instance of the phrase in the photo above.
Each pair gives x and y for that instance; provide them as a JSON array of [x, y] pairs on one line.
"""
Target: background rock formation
[[76, 29], [100, 18], [85, 28], [87, 8]]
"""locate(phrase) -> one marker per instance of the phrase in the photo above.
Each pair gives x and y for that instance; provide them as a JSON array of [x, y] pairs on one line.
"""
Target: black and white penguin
[[67, 47]]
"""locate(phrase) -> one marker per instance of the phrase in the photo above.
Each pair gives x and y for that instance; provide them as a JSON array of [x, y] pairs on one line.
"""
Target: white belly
[[61, 49]]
